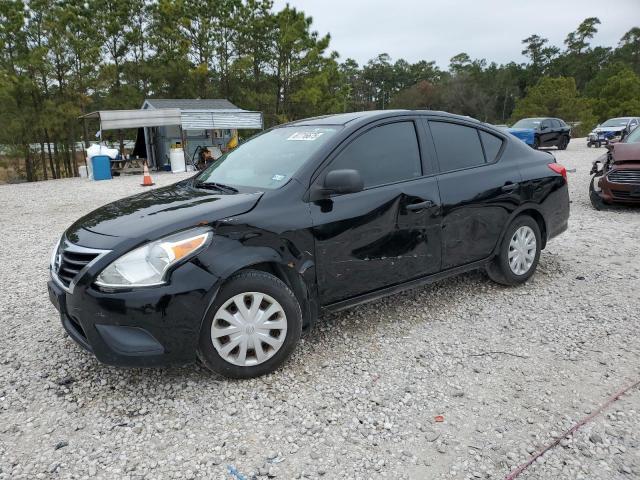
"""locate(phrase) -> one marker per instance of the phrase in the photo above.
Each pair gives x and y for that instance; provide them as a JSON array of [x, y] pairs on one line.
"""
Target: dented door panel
[[475, 209], [369, 240]]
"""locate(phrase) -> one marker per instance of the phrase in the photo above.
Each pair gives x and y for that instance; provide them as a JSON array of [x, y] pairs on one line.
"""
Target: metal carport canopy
[[220, 119], [121, 119], [188, 119]]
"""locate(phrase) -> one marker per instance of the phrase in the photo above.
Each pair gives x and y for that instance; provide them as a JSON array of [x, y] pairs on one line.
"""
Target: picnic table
[[127, 166]]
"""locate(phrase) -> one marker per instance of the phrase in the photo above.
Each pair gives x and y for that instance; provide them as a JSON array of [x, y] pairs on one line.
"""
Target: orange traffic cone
[[146, 178]]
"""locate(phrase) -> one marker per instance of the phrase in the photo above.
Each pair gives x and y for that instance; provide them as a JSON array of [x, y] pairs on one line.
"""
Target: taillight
[[556, 167]]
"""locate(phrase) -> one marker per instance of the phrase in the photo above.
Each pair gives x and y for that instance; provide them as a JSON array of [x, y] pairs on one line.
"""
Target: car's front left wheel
[[252, 328]]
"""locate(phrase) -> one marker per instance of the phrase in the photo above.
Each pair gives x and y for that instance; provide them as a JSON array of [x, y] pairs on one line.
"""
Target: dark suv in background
[[542, 132], [309, 217]]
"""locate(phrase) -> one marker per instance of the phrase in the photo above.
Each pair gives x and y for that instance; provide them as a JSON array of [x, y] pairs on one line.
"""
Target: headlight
[[147, 265]]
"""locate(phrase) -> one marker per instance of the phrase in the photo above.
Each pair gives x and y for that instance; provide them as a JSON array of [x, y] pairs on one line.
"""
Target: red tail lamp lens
[[556, 167]]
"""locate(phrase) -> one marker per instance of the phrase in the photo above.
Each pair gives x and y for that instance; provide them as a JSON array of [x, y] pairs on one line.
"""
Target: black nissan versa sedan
[[317, 215]]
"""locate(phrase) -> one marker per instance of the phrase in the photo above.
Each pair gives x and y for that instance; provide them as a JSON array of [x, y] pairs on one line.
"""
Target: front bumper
[[146, 327], [628, 194]]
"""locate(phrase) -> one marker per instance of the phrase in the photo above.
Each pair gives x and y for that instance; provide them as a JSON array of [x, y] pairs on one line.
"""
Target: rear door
[[477, 190], [389, 232]]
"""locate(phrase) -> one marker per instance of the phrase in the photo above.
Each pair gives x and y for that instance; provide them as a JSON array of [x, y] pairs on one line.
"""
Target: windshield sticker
[[305, 136], [278, 178]]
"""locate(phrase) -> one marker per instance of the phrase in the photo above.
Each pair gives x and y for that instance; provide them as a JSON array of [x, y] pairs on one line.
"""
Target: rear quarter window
[[492, 145]]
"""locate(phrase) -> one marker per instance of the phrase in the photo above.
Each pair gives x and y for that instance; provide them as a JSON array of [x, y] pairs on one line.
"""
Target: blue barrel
[[101, 167]]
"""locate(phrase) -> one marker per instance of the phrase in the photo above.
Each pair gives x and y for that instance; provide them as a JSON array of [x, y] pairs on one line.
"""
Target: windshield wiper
[[217, 186]]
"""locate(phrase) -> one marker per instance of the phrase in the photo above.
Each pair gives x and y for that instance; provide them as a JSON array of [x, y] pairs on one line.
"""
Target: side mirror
[[543, 127], [338, 182]]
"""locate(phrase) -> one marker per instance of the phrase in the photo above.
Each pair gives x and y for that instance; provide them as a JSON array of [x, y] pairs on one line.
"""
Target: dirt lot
[[507, 368]]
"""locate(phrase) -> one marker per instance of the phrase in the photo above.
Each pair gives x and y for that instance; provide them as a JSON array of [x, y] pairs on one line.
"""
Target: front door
[[389, 232], [548, 133]]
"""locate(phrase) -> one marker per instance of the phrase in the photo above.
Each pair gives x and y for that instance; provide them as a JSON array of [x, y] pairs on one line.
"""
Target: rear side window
[[457, 146], [384, 154], [491, 144]]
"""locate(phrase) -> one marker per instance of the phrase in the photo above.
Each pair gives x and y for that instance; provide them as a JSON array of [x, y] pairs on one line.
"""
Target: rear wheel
[[253, 326], [564, 142], [519, 253]]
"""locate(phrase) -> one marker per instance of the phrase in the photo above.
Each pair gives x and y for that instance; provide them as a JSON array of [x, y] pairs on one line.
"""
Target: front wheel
[[519, 253], [594, 195], [252, 328], [536, 143]]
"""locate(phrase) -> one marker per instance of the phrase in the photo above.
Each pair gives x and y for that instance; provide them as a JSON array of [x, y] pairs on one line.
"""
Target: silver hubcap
[[522, 250], [249, 329]]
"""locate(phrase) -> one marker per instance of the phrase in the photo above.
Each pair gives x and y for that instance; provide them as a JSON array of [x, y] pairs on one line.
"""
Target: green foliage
[[618, 95], [62, 58]]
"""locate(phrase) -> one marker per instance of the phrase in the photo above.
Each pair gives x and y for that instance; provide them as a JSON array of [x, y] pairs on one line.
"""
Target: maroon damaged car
[[616, 174]]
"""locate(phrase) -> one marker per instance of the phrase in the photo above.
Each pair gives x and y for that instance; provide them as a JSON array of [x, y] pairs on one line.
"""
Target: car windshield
[[268, 161], [615, 122], [633, 137], [527, 123]]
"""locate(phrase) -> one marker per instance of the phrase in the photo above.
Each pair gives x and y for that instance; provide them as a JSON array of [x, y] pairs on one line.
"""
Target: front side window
[[269, 160], [384, 154], [457, 146]]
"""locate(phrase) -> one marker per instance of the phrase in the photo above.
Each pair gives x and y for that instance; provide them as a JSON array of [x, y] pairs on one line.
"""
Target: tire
[[589, 144], [564, 142], [271, 292], [596, 200], [536, 143], [500, 270]]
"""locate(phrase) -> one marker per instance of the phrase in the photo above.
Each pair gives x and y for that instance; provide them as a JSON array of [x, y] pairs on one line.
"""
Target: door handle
[[420, 205], [509, 187]]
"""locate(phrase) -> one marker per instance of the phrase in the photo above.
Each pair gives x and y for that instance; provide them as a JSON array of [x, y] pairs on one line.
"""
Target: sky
[[437, 30]]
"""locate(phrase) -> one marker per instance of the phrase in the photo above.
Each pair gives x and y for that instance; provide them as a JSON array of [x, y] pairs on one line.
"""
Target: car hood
[[158, 212], [625, 152]]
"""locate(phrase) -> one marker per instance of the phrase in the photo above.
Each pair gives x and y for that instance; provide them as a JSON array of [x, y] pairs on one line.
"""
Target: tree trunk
[[54, 173], [74, 164], [28, 164], [56, 156], [43, 159]]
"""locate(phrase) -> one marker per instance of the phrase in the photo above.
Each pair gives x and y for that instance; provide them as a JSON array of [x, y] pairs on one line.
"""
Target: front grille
[[624, 176], [71, 260]]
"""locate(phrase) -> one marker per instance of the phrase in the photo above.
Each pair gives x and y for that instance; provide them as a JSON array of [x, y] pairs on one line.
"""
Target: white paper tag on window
[[305, 136], [278, 178]]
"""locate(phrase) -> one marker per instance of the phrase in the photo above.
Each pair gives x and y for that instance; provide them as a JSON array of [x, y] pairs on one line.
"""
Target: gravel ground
[[508, 369]]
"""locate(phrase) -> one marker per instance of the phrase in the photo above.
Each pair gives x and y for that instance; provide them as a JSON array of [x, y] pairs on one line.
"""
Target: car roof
[[355, 118]]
